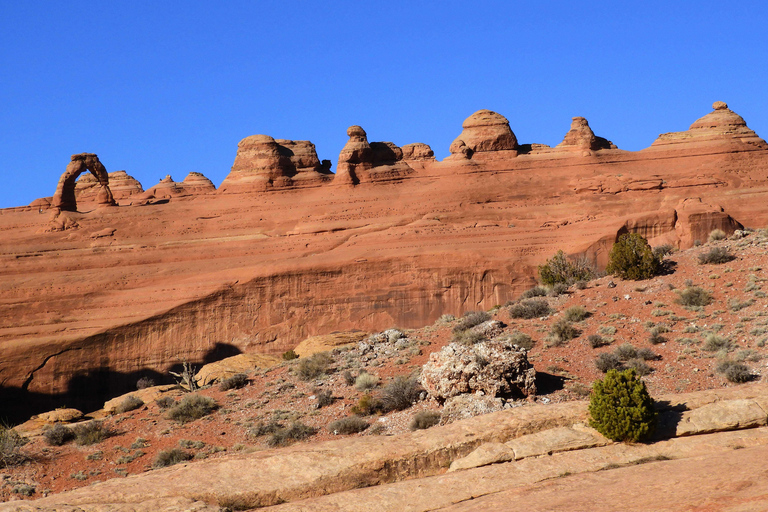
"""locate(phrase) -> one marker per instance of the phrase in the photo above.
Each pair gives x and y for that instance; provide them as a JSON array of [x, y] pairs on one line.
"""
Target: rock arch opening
[[64, 198]]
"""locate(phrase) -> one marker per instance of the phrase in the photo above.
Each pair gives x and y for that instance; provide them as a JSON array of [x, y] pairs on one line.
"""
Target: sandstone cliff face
[[404, 241]]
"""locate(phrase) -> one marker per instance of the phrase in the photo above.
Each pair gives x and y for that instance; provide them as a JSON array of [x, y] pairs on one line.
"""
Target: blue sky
[[158, 88]]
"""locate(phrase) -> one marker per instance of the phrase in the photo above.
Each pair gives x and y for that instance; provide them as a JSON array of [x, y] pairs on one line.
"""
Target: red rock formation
[[197, 183], [413, 240], [486, 134], [581, 138], [121, 184], [64, 198]]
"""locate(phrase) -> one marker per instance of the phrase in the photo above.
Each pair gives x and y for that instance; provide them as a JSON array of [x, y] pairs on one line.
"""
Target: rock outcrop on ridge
[[116, 290]]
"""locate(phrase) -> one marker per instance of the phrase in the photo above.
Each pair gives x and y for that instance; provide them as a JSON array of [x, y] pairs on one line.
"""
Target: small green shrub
[[595, 341], [366, 406], [737, 373], [129, 403], [522, 340], [716, 234], [400, 393], [425, 419], [694, 296], [575, 313], [716, 256], [236, 381], [561, 332], [58, 435], [90, 433], [296, 432], [191, 408], [607, 361], [290, 355], [561, 270], [10, 447], [620, 407], [632, 258], [530, 308], [314, 366], [365, 381], [471, 319], [170, 457], [348, 425]]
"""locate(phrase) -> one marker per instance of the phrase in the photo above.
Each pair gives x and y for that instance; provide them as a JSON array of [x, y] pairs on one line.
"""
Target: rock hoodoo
[[197, 183], [581, 137], [484, 132], [263, 163], [364, 162], [64, 198]]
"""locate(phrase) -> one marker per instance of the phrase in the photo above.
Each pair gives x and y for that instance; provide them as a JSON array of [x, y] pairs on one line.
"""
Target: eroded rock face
[[197, 183], [263, 163], [418, 151], [493, 368], [581, 137], [721, 125], [364, 162], [696, 219], [484, 131]]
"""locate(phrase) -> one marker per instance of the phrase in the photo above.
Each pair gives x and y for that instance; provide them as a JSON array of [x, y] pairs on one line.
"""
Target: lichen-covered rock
[[495, 368]]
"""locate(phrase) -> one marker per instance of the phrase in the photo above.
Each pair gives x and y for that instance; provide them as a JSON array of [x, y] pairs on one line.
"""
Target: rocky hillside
[[95, 299], [319, 426]]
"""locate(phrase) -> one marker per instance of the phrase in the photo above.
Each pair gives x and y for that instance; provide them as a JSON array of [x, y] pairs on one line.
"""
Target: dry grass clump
[[324, 397], [468, 337], [471, 319], [129, 403], [737, 373], [10, 447], [608, 361], [367, 405], [297, 431], [58, 435], [348, 425], [716, 234], [595, 341], [314, 366], [522, 340], [425, 419], [365, 381], [236, 381], [716, 256], [561, 332], [191, 408], [714, 342], [536, 291], [400, 393], [170, 457], [530, 308], [694, 296], [575, 313], [90, 433]]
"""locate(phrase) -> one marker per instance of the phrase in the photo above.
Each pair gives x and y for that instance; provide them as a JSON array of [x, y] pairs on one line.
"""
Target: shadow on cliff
[[87, 391]]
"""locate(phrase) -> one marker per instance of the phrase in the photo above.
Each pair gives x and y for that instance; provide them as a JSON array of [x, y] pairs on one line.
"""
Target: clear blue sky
[[170, 87]]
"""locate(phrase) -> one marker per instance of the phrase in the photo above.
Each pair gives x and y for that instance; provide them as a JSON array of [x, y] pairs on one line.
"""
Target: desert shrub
[[522, 340], [647, 354], [620, 407], [145, 382], [736, 304], [365, 381], [468, 337], [575, 314], [558, 289], [425, 419], [58, 435], [165, 402], [400, 393], [626, 351], [639, 366], [607, 361], [295, 432], [263, 429], [737, 373], [716, 234], [366, 406], [580, 285], [536, 291], [662, 250], [313, 366], [170, 457], [290, 355], [714, 342], [24, 489], [561, 270], [191, 408], [694, 296], [657, 339], [471, 319], [348, 425], [632, 258], [561, 332], [530, 308], [595, 341], [129, 403], [90, 433], [10, 447], [716, 256], [349, 379], [236, 381], [324, 397]]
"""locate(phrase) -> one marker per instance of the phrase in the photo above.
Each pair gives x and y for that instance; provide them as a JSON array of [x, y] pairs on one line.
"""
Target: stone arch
[[64, 198]]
